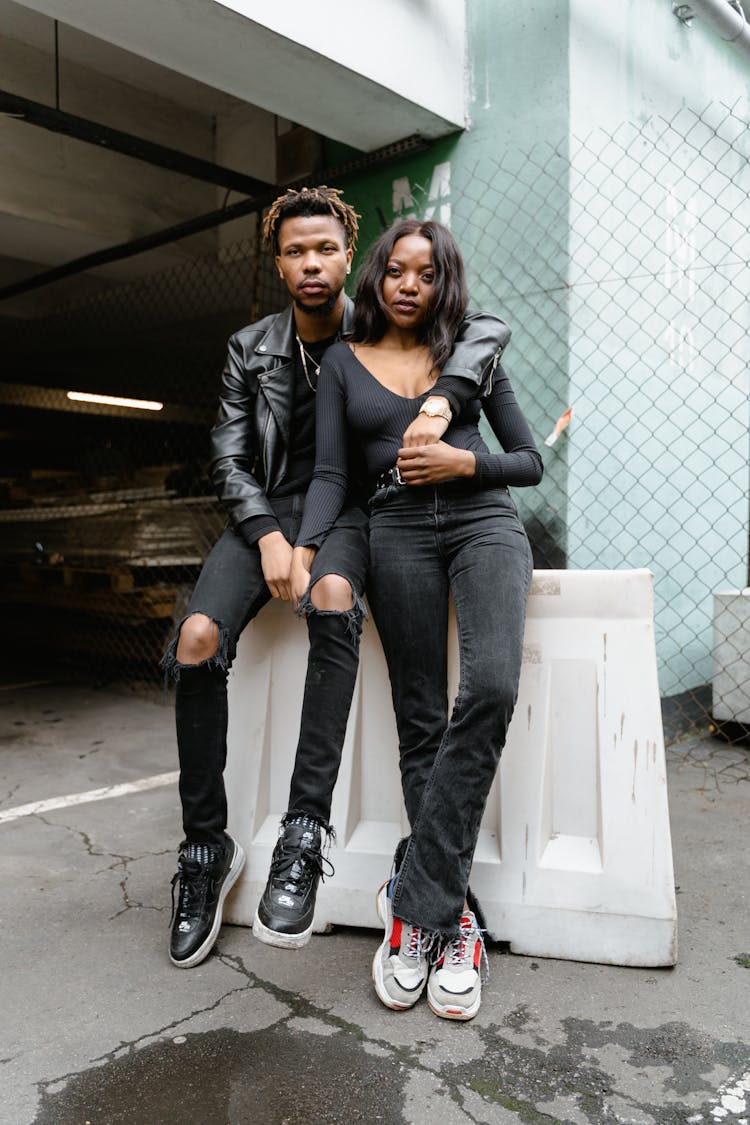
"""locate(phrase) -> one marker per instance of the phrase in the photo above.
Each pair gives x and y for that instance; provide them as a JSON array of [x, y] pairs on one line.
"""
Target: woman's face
[[409, 281]]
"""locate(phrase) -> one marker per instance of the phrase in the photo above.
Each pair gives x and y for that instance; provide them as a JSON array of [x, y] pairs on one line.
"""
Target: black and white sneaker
[[284, 917], [205, 874]]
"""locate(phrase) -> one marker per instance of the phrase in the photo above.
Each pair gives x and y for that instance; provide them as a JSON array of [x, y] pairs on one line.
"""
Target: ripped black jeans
[[231, 590]]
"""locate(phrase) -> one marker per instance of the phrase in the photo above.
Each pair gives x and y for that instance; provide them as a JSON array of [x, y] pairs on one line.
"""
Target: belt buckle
[[396, 475]]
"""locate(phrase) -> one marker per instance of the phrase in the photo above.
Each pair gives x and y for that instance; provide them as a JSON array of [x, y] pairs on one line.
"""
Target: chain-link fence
[[107, 510], [621, 261]]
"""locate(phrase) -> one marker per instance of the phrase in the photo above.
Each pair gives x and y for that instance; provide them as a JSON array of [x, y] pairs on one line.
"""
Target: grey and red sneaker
[[400, 965], [454, 990]]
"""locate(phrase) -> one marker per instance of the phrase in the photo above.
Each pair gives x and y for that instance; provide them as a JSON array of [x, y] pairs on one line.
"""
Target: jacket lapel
[[276, 381], [279, 339]]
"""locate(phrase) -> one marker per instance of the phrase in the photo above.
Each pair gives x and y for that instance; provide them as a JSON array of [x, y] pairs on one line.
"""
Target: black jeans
[[231, 590], [425, 543]]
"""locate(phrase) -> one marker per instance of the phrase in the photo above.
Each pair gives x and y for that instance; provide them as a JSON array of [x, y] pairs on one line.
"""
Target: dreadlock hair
[[449, 296], [307, 201]]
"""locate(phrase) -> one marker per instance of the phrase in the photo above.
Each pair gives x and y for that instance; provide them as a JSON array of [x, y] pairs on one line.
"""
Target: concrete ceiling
[[201, 77], [354, 71], [61, 198], [77, 47], [112, 86]]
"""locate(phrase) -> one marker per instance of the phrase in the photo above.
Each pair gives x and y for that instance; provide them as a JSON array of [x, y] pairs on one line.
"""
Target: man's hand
[[424, 430], [431, 464], [276, 561], [302, 560]]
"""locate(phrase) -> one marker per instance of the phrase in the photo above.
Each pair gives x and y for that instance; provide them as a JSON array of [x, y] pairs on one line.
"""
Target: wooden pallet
[[98, 534], [118, 578], [46, 487], [141, 602]]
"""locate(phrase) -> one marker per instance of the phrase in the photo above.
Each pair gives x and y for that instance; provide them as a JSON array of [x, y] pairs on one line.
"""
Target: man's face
[[313, 261]]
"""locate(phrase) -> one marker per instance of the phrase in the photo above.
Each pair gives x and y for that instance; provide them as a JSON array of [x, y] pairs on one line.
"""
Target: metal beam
[[114, 140], [375, 159]]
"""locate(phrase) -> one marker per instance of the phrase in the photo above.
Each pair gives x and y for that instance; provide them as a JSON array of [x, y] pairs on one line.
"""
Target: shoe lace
[[193, 879], [457, 952], [419, 943], [295, 864], [457, 948]]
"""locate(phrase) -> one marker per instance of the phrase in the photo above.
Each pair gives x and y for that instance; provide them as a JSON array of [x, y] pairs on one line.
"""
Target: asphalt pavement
[[98, 1027]]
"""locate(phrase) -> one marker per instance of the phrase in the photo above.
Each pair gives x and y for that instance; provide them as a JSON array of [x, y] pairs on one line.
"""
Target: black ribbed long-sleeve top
[[350, 398]]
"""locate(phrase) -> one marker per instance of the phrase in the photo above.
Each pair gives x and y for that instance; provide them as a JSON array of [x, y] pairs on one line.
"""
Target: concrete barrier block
[[574, 856], [731, 654]]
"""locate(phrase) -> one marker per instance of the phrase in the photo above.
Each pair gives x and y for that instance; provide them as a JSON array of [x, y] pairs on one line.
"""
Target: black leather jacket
[[250, 439]]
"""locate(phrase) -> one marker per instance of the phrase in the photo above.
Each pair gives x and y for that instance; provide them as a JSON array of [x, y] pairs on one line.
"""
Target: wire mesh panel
[[622, 263], [107, 511]]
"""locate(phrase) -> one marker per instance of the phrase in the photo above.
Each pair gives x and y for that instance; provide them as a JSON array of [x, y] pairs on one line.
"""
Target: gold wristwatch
[[433, 408]]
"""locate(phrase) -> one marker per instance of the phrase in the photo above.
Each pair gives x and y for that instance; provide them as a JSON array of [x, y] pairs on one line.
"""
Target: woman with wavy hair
[[441, 522]]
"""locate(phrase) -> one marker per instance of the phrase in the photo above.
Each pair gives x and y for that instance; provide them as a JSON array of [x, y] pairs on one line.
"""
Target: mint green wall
[[502, 186], [599, 194], [659, 322]]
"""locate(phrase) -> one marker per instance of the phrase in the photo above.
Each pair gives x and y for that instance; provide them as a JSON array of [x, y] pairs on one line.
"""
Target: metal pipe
[[726, 18]]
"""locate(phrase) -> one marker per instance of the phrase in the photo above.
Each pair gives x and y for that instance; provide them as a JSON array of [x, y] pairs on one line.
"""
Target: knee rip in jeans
[[219, 659], [352, 617]]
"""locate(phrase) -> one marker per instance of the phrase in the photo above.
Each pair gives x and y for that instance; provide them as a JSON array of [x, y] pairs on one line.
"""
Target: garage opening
[[131, 250]]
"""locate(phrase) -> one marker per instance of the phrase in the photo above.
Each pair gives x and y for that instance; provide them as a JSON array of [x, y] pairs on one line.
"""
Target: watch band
[[436, 411]]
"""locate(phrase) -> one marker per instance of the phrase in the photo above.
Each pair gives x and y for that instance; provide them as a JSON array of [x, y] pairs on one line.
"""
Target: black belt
[[390, 477]]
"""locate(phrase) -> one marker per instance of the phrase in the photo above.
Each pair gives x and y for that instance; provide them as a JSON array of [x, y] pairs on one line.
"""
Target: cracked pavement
[[100, 1028]]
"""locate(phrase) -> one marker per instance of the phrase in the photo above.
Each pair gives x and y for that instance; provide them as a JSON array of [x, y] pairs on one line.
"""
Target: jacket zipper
[[265, 444]]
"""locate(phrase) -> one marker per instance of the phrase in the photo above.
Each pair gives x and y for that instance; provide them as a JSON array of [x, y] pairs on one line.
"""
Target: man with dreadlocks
[[262, 459]]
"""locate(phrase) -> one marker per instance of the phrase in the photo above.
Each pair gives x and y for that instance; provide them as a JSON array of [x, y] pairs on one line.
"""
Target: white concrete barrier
[[574, 858]]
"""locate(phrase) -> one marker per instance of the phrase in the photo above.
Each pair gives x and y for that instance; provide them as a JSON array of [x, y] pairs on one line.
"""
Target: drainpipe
[[725, 17]]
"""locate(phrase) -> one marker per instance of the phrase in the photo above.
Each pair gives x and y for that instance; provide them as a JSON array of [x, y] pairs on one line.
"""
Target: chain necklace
[[304, 356]]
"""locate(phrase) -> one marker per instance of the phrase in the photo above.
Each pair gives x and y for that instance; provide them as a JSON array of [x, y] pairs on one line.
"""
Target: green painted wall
[[502, 186], [599, 194], [659, 322]]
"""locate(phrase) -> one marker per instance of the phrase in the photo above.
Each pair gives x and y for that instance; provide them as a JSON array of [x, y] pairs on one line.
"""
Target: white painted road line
[[155, 782]]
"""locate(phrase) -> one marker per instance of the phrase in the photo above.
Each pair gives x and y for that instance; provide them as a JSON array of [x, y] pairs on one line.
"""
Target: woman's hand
[[275, 561], [431, 464], [299, 579], [425, 430]]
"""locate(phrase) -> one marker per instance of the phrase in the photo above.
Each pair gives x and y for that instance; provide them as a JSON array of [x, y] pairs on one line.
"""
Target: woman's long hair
[[449, 298]]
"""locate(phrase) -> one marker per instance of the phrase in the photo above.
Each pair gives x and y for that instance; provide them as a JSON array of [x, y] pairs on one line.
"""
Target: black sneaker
[[206, 874], [285, 912]]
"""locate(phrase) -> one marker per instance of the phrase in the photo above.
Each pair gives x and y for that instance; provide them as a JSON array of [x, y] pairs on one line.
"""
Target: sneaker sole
[[238, 862], [377, 964], [449, 1013], [278, 939]]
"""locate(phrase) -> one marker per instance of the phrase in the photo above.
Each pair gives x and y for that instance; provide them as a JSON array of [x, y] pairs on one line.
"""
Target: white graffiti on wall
[[679, 277], [417, 201]]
